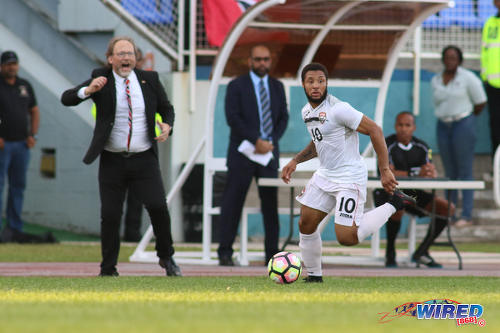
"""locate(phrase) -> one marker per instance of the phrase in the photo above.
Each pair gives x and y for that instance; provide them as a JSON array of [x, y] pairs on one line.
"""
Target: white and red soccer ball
[[284, 267]]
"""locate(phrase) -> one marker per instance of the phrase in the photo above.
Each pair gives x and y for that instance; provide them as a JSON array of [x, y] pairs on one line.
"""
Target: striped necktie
[[267, 121], [129, 102]]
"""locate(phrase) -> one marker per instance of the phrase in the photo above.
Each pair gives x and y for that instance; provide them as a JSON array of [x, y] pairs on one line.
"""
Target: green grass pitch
[[234, 304]]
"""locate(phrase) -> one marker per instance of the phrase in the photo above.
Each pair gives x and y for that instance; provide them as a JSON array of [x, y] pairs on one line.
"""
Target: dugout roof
[[354, 39]]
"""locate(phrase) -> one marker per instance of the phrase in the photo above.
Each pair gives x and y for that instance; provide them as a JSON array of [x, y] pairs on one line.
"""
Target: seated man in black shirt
[[410, 157]]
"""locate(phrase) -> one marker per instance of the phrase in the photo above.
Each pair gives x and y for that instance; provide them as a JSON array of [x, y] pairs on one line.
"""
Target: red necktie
[[129, 102]]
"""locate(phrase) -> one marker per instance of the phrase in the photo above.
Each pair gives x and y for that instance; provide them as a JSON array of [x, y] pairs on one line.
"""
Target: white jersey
[[332, 126]]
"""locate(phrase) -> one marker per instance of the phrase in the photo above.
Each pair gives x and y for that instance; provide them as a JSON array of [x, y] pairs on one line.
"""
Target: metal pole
[[417, 64], [192, 55], [180, 35]]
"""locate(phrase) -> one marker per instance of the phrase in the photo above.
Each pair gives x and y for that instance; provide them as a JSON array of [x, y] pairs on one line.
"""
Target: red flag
[[220, 15]]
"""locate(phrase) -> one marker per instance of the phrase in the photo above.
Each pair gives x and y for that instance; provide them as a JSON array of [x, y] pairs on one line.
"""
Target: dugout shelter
[[358, 41]]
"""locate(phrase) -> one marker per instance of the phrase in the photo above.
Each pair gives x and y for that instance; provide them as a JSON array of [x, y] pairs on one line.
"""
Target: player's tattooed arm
[[306, 154]]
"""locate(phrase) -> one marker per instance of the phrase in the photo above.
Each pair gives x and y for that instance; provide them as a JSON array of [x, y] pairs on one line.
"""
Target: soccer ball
[[284, 267]]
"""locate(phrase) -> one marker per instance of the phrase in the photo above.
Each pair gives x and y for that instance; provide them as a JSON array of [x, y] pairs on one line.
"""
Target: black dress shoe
[[109, 273], [427, 260], [391, 264], [7, 235], [50, 238], [170, 267], [313, 279], [226, 261]]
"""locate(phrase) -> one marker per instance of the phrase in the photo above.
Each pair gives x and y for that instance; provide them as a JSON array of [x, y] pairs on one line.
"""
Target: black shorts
[[423, 198]]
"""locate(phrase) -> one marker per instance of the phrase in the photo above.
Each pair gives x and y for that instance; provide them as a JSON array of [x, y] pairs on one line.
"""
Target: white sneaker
[[462, 223]]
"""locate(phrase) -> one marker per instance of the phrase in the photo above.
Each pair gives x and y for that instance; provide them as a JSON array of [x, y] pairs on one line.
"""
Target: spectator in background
[[127, 100], [458, 97], [411, 157], [140, 59], [19, 121], [490, 73], [256, 112]]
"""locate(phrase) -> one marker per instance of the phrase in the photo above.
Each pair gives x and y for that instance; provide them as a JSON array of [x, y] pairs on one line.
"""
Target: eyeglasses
[[123, 54], [259, 59]]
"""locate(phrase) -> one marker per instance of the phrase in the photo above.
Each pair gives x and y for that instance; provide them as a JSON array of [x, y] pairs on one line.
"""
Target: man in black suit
[[124, 137], [256, 111]]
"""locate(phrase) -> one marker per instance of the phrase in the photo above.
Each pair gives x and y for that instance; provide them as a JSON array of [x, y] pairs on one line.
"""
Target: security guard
[[490, 72]]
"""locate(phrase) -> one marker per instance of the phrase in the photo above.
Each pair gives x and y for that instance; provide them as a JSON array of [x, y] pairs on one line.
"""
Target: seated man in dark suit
[[411, 157]]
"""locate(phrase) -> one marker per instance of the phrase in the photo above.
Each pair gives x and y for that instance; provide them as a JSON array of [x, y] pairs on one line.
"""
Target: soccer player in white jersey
[[340, 181]]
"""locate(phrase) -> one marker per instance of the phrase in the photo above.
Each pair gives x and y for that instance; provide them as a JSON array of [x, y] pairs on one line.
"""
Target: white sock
[[374, 220], [310, 251]]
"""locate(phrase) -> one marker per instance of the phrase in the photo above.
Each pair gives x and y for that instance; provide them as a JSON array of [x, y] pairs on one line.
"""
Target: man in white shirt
[[127, 100], [340, 182]]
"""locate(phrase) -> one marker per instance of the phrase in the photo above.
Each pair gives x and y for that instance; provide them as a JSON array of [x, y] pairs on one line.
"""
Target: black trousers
[[140, 174], [133, 216], [494, 111], [392, 227], [239, 178]]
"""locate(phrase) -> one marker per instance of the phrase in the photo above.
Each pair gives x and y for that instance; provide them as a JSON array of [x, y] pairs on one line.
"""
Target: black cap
[[8, 57]]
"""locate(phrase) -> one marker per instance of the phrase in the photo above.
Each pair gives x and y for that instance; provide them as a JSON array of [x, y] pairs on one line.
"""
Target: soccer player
[[340, 181]]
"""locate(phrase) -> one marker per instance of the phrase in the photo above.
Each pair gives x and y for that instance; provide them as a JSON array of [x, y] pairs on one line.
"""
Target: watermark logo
[[462, 314]]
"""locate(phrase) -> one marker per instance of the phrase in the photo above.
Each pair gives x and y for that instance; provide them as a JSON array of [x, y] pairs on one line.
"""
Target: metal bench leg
[[412, 236], [375, 241], [244, 239]]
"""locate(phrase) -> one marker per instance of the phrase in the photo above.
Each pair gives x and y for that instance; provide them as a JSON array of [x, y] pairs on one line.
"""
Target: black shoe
[[401, 200], [427, 260], [226, 260], [109, 274], [49, 237], [7, 235], [391, 264], [170, 266], [312, 278]]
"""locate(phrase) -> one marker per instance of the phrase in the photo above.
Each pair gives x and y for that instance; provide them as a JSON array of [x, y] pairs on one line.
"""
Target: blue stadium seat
[[437, 21], [462, 14], [148, 12], [486, 9]]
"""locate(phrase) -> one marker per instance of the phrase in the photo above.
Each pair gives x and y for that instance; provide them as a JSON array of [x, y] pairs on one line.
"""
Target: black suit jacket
[[242, 115], [155, 101]]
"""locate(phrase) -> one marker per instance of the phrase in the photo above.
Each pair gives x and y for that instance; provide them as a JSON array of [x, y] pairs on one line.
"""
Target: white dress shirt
[[117, 141]]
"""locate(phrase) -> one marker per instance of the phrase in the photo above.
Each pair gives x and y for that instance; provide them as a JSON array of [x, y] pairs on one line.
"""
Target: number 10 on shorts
[[344, 210]]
